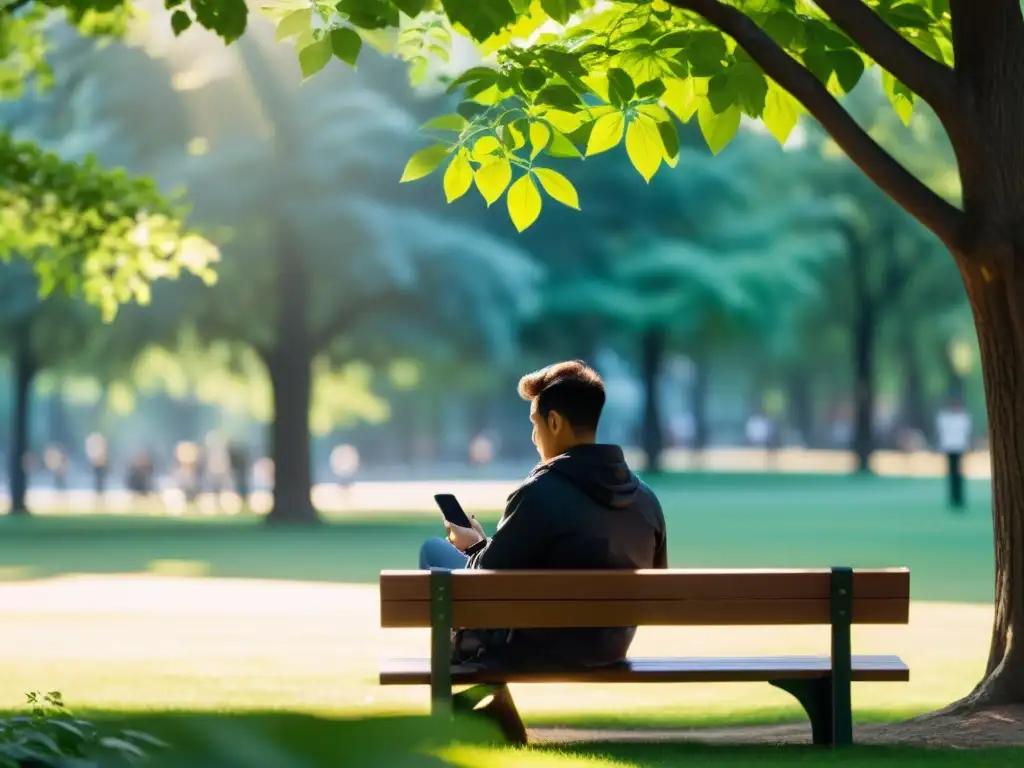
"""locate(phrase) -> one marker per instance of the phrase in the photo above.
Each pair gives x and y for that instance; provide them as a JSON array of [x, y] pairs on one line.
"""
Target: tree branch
[[347, 315], [933, 81], [14, 6], [945, 220]]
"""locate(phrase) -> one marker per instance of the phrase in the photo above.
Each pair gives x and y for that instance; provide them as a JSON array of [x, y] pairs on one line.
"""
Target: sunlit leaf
[[457, 177], [607, 132], [424, 162], [718, 129], [524, 202], [540, 135], [780, 113], [492, 179], [315, 56], [558, 187], [294, 23], [644, 146]]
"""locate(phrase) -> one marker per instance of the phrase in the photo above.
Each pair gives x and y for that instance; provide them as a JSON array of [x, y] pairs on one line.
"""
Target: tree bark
[[652, 438], [291, 379], [290, 365], [25, 369], [998, 306]]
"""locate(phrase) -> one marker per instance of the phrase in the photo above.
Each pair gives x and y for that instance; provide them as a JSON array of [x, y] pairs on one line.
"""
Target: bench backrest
[[518, 599]]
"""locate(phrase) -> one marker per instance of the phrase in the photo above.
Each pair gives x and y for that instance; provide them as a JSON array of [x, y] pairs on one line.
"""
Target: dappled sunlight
[[474, 757]]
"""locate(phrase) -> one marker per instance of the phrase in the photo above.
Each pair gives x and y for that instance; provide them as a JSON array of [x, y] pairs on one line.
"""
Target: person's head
[[566, 400]]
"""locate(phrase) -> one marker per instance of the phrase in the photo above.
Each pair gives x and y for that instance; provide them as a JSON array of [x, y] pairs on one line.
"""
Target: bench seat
[[660, 670]]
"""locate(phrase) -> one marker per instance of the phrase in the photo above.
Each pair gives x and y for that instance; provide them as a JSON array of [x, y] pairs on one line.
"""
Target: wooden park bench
[[442, 600]]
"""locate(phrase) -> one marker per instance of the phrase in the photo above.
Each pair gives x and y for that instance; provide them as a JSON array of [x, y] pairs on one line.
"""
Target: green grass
[[204, 672], [301, 741], [714, 521]]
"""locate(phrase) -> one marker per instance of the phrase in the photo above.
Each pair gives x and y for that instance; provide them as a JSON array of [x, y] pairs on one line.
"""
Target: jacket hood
[[600, 471]]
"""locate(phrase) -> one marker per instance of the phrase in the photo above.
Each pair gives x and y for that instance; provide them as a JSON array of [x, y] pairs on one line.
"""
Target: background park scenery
[[241, 358]]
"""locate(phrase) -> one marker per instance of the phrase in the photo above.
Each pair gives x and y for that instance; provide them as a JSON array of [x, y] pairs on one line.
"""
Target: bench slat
[[714, 584], [602, 613], [661, 670]]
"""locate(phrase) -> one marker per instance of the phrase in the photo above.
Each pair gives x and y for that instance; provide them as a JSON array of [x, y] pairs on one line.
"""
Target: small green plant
[[49, 737]]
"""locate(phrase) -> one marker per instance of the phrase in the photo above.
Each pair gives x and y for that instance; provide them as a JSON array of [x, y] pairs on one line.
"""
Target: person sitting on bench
[[581, 508]]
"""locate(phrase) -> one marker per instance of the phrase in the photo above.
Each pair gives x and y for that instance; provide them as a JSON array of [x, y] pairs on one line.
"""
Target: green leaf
[[533, 78], [524, 202], [672, 41], [560, 10], [721, 92], [718, 129], [669, 141], [784, 28], [180, 21], [749, 87], [540, 135], [644, 147], [411, 8], [818, 63], [346, 44], [424, 162], [848, 66], [908, 15], [295, 23], [457, 177], [560, 97], [705, 53], [558, 187], [481, 19], [652, 89], [607, 132], [780, 113], [620, 87], [314, 57], [475, 75], [492, 179], [681, 97], [901, 96], [452, 122], [560, 146]]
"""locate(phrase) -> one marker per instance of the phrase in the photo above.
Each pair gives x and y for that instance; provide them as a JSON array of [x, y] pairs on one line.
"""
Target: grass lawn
[[122, 615]]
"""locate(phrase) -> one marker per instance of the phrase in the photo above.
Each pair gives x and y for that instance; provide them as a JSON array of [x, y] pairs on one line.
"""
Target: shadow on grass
[[283, 740]]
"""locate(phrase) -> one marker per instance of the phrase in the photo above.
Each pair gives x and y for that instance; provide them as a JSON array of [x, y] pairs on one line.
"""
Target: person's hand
[[463, 538]]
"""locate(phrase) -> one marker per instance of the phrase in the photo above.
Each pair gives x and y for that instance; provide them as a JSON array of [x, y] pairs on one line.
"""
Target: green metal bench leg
[[501, 710], [827, 700], [815, 696]]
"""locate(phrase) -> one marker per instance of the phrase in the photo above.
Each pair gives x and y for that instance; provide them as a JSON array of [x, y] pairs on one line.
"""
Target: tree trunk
[[862, 344], [290, 365], [25, 369], [998, 306], [699, 389], [801, 405], [291, 379], [653, 353]]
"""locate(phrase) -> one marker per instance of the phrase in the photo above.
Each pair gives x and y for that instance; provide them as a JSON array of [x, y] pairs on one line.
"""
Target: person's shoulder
[[650, 498], [536, 486]]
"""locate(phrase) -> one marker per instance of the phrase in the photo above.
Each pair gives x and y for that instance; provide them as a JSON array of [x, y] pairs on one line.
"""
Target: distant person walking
[[953, 427]]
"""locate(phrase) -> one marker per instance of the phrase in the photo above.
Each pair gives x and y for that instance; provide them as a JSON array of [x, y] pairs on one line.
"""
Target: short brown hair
[[572, 388]]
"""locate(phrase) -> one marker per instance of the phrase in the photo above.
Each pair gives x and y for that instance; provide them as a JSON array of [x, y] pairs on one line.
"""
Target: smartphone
[[452, 510]]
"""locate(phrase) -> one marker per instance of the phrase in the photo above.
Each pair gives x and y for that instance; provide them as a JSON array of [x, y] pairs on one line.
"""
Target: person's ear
[[555, 421]]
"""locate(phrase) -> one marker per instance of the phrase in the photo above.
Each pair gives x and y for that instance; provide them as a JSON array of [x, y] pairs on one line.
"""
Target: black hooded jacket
[[582, 510]]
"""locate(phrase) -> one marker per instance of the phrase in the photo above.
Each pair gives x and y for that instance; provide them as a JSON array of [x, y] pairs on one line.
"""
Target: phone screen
[[452, 510]]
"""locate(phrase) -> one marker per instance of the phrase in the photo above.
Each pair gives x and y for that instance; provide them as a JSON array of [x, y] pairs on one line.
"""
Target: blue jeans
[[439, 553]]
